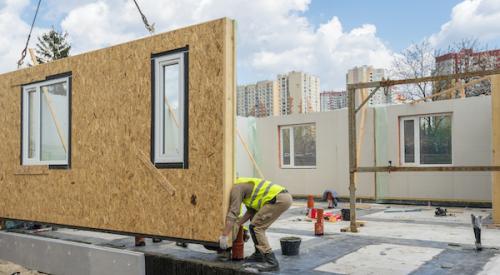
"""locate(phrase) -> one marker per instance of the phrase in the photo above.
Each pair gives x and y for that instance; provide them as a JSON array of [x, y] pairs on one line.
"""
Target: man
[[265, 202]]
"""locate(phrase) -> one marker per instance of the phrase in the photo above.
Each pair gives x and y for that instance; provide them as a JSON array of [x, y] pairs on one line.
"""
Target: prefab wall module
[[136, 138]]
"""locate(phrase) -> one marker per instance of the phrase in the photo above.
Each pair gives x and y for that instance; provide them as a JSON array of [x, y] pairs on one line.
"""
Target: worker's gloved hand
[[246, 235], [223, 242]]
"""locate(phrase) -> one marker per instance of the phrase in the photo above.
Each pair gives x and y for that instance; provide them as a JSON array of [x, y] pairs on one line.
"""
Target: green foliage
[[52, 45]]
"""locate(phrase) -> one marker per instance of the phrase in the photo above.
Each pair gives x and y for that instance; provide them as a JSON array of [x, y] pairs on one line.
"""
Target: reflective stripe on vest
[[260, 197]]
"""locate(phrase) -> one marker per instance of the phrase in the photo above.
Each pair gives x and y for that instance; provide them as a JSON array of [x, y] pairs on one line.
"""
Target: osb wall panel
[[108, 186], [495, 114]]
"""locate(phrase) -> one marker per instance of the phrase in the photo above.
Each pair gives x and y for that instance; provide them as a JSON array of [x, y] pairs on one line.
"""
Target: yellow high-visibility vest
[[263, 191]]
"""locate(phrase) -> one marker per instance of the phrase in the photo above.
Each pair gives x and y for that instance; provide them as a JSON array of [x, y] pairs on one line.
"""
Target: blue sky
[[322, 37], [399, 23]]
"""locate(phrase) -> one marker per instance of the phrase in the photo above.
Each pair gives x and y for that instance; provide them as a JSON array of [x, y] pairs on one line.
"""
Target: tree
[[415, 61], [52, 45], [468, 55]]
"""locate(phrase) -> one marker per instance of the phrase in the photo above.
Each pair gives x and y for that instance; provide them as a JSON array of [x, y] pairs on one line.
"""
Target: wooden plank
[[392, 169], [351, 101], [388, 83], [495, 115], [229, 117], [109, 187]]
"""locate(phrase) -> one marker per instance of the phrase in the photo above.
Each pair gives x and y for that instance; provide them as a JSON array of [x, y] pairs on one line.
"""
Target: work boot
[[255, 257], [270, 264]]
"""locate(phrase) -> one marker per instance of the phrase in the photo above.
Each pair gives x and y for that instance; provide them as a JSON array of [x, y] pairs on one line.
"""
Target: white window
[[46, 124], [298, 146], [170, 119], [426, 140]]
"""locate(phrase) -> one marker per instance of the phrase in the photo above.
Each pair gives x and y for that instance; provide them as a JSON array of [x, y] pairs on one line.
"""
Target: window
[[426, 140], [170, 95], [298, 146], [46, 122]]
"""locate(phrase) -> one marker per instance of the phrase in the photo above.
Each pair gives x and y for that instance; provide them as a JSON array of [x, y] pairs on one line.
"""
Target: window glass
[[435, 139], [286, 145], [54, 121], [304, 145], [170, 119], [171, 111], [31, 124], [409, 141]]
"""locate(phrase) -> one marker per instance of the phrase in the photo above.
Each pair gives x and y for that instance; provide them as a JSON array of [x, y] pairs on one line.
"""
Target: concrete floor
[[396, 239]]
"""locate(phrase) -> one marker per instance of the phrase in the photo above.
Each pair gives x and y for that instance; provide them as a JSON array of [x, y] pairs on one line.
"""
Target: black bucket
[[346, 214], [290, 245]]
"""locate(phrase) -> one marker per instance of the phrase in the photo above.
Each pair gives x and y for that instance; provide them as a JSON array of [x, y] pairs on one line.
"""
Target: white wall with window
[[170, 114], [46, 122], [448, 132], [425, 140], [298, 146]]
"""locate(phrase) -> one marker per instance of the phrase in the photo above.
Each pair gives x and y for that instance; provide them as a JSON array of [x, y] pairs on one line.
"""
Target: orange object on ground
[[312, 213], [319, 225], [310, 201], [238, 250]]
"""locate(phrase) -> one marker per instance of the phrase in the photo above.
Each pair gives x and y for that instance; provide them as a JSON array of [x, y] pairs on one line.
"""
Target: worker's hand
[[223, 242]]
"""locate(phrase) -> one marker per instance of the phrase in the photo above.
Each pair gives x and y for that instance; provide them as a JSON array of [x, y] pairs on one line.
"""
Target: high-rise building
[[299, 93], [466, 60], [331, 100], [258, 100], [368, 74]]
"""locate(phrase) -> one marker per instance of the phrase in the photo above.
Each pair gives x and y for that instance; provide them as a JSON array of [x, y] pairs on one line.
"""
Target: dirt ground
[[8, 268]]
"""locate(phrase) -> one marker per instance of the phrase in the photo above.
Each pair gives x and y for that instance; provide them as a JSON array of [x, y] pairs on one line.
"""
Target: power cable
[[23, 53], [150, 28]]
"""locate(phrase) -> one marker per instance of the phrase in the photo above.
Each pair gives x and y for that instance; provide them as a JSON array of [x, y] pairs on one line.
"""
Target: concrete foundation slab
[[62, 257], [382, 259]]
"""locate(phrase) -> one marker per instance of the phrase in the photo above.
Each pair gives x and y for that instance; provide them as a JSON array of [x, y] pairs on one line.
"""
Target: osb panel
[[495, 114], [108, 186]]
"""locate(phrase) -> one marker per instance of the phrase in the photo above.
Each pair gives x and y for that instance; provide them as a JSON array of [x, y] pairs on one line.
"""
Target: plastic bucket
[[290, 245], [346, 214]]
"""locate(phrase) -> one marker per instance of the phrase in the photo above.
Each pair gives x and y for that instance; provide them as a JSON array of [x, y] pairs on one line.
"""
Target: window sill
[[299, 167], [39, 170]]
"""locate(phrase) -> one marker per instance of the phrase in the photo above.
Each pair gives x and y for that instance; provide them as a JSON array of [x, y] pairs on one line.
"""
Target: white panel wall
[[471, 145]]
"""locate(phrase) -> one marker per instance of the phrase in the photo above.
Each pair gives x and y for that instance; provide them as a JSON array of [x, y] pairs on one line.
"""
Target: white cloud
[[477, 19], [273, 36], [14, 32]]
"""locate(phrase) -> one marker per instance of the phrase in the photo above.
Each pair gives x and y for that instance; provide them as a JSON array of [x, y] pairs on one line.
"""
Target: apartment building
[[331, 100], [368, 74], [258, 100], [299, 93]]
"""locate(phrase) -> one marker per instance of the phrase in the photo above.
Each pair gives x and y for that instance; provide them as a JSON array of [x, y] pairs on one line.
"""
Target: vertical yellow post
[[495, 188]]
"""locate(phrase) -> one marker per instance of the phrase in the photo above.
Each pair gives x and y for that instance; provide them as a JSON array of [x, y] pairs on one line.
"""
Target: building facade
[[466, 60], [299, 93], [258, 100], [331, 100], [368, 74]]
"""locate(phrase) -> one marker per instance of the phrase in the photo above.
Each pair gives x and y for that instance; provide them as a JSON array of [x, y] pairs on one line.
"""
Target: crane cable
[[150, 28], [23, 53]]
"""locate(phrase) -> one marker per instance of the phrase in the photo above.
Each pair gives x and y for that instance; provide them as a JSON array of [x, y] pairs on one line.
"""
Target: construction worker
[[265, 202]]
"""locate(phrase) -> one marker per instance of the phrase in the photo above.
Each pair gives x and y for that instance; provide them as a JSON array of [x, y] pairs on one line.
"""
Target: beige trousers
[[269, 213]]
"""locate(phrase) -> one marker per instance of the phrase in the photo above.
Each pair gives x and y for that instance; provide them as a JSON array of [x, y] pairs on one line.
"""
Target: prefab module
[[135, 138]]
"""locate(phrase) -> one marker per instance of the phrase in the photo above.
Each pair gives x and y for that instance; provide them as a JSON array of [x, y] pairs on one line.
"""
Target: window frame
[[416, 137], [36, 87], [158, 61], [292, 149]]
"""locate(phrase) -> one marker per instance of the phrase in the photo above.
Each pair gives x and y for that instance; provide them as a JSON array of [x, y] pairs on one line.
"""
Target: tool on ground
[[476, 226], [331, 197], [319, 225], [441, 212], [238, 251]]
